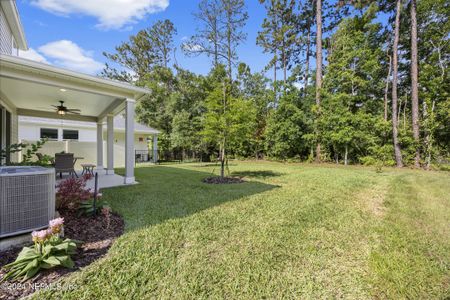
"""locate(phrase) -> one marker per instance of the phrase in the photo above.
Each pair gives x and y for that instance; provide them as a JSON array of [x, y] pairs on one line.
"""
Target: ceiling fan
[[62, 110]]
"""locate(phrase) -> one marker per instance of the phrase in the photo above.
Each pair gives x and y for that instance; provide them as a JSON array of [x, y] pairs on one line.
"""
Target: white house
[[28, 88], [81, 137]]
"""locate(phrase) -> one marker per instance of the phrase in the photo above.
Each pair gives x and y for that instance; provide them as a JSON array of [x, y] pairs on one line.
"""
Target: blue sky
[[74, 33]]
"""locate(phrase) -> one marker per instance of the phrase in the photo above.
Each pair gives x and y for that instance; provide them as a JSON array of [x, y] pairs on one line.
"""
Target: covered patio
[[30, 88]]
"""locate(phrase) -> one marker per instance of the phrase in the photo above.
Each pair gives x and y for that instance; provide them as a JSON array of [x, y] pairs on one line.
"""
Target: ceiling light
[[63, 90]]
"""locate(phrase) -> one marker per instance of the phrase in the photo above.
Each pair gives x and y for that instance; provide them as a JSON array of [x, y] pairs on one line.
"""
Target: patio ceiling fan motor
[[62, 110]]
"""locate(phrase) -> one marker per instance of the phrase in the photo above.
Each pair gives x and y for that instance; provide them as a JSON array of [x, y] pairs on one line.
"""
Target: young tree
[[228, 120], [397, 150]]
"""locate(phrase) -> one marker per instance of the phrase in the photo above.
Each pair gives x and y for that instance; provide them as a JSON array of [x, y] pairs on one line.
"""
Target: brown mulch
[[222, 180], [96, 239]]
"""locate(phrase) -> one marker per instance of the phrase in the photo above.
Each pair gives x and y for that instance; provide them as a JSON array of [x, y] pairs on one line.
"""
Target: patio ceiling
[[33, 87]]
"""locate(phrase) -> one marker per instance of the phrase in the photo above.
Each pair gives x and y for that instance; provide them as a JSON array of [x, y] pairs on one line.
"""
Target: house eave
[[30, 67], [13, 19]]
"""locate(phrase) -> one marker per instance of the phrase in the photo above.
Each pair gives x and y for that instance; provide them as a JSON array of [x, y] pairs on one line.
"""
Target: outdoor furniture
[[88, 169], [65, 163]]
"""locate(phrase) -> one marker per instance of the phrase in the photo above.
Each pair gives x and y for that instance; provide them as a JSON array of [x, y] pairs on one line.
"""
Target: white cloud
[[111, 14], [33, 55], [69, 55], [192, 47]]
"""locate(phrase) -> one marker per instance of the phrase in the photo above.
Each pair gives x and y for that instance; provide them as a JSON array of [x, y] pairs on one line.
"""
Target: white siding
[[87, 135], [6, 38]]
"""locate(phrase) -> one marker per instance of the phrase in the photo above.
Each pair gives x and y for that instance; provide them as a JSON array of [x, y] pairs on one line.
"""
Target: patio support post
[[155, 148], [99, 145], [129, 141], [110, 144]]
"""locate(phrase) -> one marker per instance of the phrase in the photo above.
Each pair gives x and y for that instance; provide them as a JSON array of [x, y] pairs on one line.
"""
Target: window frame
[[72, 131], [49, 138]]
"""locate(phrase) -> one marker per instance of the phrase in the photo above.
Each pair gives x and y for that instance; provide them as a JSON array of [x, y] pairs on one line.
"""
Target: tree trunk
[[386, 89], [414, 83], [397, 150], [275, 75], [318, 65], [428, 119], [229, 51], [222, 160], [346, 155], [284, 62], [308, 50]]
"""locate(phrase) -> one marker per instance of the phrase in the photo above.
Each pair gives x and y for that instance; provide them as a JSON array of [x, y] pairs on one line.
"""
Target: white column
[[129, 141], [99, 146], [155, 148], [110, 144]]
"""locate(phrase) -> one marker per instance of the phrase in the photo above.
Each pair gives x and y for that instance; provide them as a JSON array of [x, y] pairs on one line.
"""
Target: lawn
[[291, 231]]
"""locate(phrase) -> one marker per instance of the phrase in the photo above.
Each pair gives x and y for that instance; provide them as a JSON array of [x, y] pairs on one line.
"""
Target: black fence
[[142, 156]]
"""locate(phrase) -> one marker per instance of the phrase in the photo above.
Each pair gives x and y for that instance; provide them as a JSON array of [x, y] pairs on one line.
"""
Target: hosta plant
[[48, 251]]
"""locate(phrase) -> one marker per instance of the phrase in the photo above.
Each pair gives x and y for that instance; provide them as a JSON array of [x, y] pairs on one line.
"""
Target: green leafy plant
[[87, 207], [48, 251], [32, 150], [13, 148]]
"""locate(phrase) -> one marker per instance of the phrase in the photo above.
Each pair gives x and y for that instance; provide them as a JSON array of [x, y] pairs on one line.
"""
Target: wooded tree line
[[362, 82]]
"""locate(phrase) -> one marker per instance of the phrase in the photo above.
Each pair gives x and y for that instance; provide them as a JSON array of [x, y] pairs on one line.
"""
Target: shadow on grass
[[168, 192], [256, 174]]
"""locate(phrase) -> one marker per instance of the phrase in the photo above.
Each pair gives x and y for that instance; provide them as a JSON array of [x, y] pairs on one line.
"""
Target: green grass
[[291, 231]]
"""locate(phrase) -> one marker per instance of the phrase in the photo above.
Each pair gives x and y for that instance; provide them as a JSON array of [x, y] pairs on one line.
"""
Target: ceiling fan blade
[[55, 106], [73, 109], [73, 112]]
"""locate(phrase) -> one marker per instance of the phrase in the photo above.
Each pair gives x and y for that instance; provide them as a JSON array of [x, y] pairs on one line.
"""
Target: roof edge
[[13, 18], [17, 62]]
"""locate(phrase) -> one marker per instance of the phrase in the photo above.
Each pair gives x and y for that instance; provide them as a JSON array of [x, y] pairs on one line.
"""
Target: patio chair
[[65, 163]]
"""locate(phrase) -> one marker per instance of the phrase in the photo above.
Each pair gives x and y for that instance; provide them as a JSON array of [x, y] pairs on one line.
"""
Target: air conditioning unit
[[27, 199]]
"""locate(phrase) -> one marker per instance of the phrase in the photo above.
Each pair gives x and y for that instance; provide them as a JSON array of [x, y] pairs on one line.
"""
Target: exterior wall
[[88, 150], [6, 37], [33, 132]]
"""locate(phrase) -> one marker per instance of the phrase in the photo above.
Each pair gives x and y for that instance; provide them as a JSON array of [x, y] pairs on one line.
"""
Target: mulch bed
[[222, 180], [97, 237]]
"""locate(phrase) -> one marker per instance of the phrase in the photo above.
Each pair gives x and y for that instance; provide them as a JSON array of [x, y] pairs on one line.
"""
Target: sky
[[73, 33]]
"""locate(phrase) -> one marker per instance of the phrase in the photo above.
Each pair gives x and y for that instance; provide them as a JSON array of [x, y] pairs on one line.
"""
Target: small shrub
[[71, 192], [49, 251], [87, 207]]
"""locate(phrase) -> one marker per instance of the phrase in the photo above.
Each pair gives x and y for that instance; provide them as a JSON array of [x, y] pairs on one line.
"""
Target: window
[[49, 133], [70, 134]]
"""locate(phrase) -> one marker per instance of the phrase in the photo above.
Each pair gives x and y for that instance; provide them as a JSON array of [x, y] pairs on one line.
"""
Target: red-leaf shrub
[[72, 191]]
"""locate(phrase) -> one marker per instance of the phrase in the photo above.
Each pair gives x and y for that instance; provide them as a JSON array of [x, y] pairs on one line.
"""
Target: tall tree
[[161, 38], [414, 82], [397, 150], [318, 66], [235, 17], [148, 49], [268, 37], [209, 39]]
